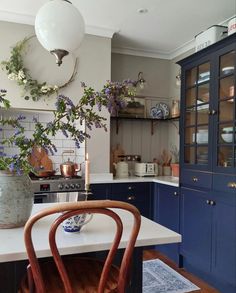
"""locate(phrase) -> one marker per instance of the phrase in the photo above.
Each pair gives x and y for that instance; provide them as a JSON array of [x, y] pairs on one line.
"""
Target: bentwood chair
[[77, 274]]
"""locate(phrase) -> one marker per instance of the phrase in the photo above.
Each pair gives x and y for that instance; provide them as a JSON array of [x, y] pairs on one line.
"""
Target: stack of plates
[[228, 70], [204, 76]]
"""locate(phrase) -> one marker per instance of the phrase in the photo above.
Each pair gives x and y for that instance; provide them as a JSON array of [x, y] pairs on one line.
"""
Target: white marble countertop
[[97, 235], [168, 180]]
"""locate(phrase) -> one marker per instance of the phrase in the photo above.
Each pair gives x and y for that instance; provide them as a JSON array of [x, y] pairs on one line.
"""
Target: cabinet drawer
[[225, 183], [196, 179], [125, 191]]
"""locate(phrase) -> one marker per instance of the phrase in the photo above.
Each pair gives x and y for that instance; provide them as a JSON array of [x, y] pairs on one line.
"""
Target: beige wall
[[94, 69], [155, 71], [135, 136]]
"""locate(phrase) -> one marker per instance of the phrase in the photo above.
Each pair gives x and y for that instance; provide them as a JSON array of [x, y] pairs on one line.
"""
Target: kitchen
[[95, 65]]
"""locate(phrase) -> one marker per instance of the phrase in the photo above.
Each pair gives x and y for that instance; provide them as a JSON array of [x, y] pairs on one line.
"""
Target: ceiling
[[165, 31]]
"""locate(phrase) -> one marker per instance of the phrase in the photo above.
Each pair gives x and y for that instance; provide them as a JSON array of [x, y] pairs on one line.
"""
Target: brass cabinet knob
[[131, 198], [130, 187], [195, 179], [212, 202], [176, 193], [208, 201], [231, 184], [212, 112]]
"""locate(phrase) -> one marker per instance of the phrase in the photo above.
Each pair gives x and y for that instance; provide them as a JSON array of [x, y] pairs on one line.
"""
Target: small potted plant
[[175, 161]]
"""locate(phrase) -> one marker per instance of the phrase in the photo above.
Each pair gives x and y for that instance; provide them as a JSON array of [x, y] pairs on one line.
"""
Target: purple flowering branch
[[68, 118]]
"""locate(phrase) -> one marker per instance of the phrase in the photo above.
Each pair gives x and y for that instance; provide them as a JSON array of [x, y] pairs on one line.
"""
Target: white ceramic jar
[[232, 26]]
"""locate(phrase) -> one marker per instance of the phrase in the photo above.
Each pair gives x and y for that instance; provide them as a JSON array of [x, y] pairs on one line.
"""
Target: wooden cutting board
[[39, 159], [114, 156]]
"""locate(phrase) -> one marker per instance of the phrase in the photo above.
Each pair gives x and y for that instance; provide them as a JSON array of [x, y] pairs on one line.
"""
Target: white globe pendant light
[[59, 27]]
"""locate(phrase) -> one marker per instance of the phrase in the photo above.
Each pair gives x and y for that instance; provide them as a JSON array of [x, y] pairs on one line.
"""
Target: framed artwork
[[135, 108]]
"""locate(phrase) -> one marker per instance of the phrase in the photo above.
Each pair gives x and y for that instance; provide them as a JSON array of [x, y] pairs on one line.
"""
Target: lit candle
[[87, 171]]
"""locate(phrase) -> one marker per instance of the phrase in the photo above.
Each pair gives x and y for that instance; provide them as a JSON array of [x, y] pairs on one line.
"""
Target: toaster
[[145, 169]]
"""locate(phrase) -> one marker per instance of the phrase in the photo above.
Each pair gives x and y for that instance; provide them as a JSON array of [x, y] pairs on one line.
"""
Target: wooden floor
[[205, 288]]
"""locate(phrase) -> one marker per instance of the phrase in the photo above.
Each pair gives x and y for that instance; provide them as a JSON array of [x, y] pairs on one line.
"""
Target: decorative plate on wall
[[165, 109], [156, 113]]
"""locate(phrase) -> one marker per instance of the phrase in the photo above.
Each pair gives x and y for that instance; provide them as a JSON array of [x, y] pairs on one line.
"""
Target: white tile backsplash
[[61, 142]]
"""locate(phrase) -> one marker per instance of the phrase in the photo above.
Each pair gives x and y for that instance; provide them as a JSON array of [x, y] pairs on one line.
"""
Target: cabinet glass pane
[[190, 135], [226, 157], [203, 114], [203, 93], [191, 77], [227, 63], [226, 90], [203, 72], [190, 117], [189, 155], [226, 110], [191, 97], [202, 135], [202, 155], [225, 132]]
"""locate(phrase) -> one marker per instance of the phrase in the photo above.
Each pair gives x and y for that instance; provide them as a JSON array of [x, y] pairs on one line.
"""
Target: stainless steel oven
[[58, 189]]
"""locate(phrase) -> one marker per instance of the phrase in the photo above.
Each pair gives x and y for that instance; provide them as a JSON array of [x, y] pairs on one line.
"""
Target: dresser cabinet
[[208, 164], [138, 194], [166, 213]]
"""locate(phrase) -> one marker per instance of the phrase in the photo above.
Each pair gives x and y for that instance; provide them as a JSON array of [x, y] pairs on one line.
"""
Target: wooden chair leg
[[30, 280]]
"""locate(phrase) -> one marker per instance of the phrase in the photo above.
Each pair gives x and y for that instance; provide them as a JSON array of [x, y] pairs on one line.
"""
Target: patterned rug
[[160, 278]]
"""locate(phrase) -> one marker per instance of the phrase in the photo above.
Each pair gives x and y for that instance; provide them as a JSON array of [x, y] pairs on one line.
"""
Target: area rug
[[159, 278]]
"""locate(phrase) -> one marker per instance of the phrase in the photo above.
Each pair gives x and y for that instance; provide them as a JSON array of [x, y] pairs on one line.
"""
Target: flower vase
[[16, 200]]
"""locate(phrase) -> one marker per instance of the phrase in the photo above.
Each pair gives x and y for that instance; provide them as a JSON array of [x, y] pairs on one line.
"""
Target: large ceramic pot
[[16, 200]]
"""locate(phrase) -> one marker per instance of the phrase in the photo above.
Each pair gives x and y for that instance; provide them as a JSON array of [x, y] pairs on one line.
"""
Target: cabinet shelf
[[152, 121]]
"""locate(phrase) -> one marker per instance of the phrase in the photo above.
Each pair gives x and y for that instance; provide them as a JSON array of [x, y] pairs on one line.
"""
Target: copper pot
[[69, 168]]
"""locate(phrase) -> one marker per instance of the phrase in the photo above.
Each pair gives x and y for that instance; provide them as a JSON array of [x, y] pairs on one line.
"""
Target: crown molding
[[182, 49], [142, 53], [16, 17], [100, 31], [29, 20]]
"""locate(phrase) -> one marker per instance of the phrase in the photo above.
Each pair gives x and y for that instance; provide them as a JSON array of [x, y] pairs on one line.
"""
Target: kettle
[[68, 168], [121, 169]]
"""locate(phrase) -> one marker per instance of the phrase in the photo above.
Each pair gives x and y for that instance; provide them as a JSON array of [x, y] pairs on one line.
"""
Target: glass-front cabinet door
[[196, 117], [225, 103]]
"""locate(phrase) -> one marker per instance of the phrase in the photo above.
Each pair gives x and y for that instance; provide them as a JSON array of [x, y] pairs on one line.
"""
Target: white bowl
[[227, 137]]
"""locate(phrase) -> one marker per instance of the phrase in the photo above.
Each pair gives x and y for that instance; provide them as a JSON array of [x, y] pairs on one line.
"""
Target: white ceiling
[[165, 31]]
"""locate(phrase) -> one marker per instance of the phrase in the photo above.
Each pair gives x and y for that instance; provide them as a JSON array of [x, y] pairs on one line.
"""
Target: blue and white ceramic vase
[[16, 200]]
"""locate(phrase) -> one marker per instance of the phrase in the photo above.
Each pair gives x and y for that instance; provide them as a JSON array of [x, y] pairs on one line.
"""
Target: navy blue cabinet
[[138, 194], [166, 213], [100, 191], [208, 164], [209, 236], [196, 225]]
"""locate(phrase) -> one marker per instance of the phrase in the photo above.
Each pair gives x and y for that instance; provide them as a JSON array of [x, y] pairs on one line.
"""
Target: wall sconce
[[59, 27], [141, 81], [178, 79]]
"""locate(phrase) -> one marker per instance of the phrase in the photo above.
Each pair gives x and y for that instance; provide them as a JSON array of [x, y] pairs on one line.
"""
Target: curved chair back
[[75, 208]]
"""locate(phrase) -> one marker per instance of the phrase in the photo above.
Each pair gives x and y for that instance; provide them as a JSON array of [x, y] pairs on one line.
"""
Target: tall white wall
[[93, 68]]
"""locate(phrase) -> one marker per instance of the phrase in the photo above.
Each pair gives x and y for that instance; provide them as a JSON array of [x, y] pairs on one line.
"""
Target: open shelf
[[152, 121]]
